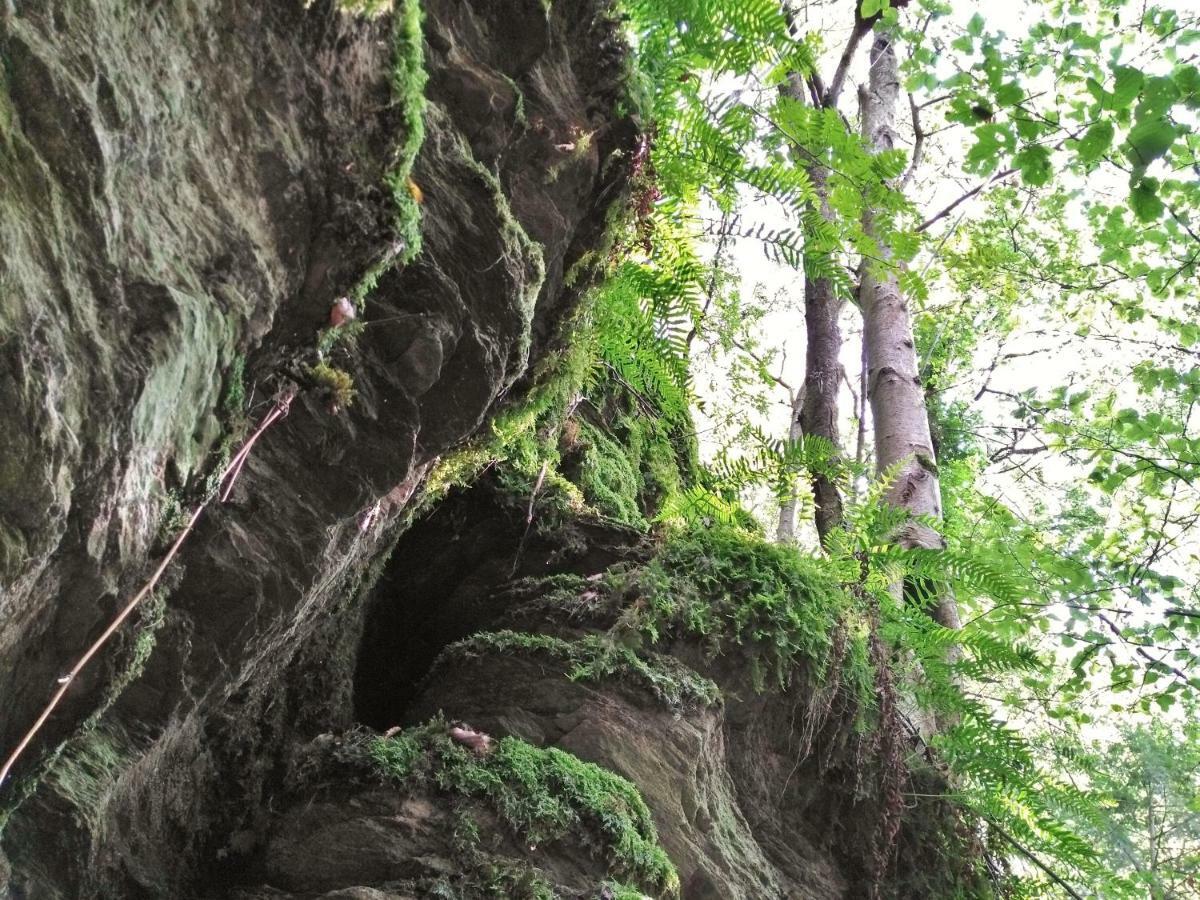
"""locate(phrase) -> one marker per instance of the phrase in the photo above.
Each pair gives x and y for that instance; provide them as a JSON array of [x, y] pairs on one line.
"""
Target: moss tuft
[[86, 770], [337, 383], [778, 605], [595, 658], [607, 477], [408, 91], [542, 794], [344, 335]]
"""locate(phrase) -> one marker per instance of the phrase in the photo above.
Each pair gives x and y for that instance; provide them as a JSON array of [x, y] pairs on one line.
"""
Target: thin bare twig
[[918, 153], [934, 219]]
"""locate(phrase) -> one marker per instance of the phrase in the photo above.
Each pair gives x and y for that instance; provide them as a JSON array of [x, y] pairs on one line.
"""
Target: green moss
[[542, 794], [779, 606], [337, 383], [408, 79], [6, 108], [514, 237], [345, 335], [81, 768], [520, 118], [408, 91], [607, 477], [620, 891], [596, 658], [234, 402], [13, 552], [523, 437], [86, 770], [580, 146]]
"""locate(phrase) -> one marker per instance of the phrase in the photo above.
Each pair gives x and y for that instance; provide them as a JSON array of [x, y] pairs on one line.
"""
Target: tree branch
[[1029, 854], [830, 98], [933, 220]]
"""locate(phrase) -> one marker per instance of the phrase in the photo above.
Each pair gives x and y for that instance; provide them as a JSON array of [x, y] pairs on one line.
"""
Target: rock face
[[187, 186], [750, 795]]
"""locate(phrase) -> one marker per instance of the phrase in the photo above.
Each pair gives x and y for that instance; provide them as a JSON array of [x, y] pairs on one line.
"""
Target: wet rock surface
[[190, 186]]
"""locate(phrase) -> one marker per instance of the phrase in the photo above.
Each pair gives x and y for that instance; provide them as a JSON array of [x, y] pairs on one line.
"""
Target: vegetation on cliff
[[505, 244], [542, 794]]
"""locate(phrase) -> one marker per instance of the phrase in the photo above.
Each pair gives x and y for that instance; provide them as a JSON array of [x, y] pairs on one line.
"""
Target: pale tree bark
[[785, 531], [897, 397]]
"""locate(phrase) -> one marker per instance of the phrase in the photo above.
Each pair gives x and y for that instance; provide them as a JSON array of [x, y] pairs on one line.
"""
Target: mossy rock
[[544, 795]]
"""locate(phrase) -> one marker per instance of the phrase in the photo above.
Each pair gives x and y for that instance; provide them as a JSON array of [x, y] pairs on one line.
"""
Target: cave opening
[[442, 583], [449, 577]]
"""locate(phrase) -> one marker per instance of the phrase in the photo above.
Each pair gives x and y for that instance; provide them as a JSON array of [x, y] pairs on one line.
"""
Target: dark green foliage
[[607, 476], [780, 606]]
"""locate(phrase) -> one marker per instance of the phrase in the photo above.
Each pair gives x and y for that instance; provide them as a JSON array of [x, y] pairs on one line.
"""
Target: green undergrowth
[[777, 605], [408, 92], [547, 451], [84, 766], [542, 794], [607, 476], [597, 658]]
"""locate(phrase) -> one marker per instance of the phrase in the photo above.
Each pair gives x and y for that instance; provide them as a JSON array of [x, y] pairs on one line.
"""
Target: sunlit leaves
[[1144, 200], [1096, 142]]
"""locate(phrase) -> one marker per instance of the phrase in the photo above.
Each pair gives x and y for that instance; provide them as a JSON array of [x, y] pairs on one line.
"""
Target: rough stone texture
[[742, 807], [188, 181]]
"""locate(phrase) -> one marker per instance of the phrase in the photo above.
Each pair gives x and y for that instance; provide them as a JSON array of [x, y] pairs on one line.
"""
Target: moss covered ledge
[[598, 658], [542, 795]]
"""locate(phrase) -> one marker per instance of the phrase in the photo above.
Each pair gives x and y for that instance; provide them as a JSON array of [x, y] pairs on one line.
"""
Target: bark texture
[[823, 334], [785, 529], [822, 376], [897, 397]]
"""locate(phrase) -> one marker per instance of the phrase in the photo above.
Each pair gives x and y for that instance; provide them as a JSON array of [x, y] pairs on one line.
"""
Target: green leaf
[[975, 26], [1128, 83], [1095, 142], [1145, 200], [1187, 79], [871, 8], [1158, 96], [1150, 140], [1010, 94], [963, 43], [1034, 163]]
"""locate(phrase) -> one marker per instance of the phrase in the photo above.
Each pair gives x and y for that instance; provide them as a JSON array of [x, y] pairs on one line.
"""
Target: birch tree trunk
[[785, 531], [897, 398]]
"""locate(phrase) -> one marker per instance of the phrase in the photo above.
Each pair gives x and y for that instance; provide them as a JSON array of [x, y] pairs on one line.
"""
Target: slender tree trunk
[[897, 397], [822, 375], [785, 531], [822, 363]]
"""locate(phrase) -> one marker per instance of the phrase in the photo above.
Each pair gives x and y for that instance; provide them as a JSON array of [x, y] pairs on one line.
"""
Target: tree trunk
[[897, 399], [823, 347], [785, 531], [822, 375]]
